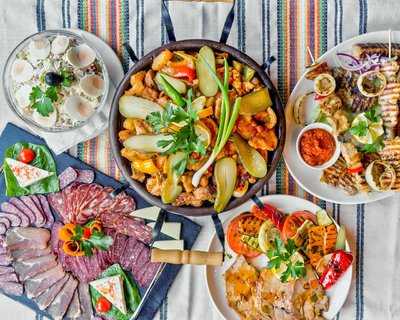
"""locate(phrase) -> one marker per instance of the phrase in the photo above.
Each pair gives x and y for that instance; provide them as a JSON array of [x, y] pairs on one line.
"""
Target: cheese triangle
[[112, 288], [26, 174]]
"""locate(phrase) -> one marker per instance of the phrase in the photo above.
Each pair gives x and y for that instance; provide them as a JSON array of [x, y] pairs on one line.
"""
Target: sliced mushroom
[[92, 85], [39, 48], [21, 70], [47, 122], [78, 108], [22, 95], [81, 56], [59, 44]]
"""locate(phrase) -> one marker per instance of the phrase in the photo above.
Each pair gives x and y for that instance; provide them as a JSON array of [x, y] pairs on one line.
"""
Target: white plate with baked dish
[[215, 279], [308, 178]]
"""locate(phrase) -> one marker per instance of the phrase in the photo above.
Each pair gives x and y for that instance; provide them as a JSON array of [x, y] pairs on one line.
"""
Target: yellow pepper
[[145, 166], [66, 232], [72, 248], [205, 112]]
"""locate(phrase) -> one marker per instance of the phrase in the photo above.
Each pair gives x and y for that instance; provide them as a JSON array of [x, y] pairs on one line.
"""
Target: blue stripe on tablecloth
[[126, 35], [63, 14], [360, 263]]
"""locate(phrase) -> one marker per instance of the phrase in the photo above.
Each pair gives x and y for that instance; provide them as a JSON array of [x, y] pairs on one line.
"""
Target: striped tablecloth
[[262, 28]]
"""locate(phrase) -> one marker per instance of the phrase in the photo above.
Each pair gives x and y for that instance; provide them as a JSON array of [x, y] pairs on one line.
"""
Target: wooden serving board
[[189, 232]]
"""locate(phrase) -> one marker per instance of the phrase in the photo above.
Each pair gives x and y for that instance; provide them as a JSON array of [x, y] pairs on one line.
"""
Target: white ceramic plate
[[308, 178], [215, 275]]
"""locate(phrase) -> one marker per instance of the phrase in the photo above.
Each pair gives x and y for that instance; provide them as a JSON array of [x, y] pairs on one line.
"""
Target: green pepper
[[172, 92]]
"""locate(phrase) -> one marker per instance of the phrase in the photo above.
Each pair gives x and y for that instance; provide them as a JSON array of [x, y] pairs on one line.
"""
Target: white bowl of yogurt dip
[[54, 81]]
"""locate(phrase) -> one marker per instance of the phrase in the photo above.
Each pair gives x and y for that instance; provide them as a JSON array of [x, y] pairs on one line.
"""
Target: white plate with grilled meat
[[309, 178], [215, 276]]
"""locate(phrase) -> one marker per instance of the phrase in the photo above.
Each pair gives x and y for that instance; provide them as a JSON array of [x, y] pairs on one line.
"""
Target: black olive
[[53, 79]]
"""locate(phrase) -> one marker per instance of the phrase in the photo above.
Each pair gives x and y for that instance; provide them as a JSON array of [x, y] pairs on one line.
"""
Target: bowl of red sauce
[[317, 146]]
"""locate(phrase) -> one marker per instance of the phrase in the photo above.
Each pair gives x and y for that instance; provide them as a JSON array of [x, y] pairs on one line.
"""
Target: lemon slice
[[366, 139], [376, 129], [203, 133], [296, 257], [267, 235]]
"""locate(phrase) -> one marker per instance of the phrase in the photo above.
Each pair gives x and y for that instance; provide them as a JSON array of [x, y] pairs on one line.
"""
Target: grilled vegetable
[[267, 234], [255, 102], [171, 92], [207, 83], [321, 241], [177, 84], [337, 266], [323, 218], [225, 174], [324, 84], [298, 109], [380, 175], [371, 83], [341, 239], [136, 107], [251, 159], [248, 73]]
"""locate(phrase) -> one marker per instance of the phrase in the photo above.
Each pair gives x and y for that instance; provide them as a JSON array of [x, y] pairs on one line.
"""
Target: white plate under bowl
[[307, 178], [215, 275]]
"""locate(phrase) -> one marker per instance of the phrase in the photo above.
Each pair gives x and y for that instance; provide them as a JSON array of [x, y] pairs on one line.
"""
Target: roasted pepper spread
[[317, 146]]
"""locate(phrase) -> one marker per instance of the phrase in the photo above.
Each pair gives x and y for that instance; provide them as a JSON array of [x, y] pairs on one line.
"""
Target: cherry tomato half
[[234, 237], [26, 155], [87, 232], [294, 221], [103, 305]]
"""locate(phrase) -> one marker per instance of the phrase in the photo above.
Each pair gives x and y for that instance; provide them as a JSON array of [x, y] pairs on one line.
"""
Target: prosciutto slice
[[30, 268], [74, 309], [8, 277], [26, 254], [47, 297], [60, 304], [24, 238], [4, 270], [86, 304], [41, 282], [12, 288]]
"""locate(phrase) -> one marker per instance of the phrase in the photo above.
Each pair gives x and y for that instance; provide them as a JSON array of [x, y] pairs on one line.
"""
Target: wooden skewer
[[310, 54], [390, 44]]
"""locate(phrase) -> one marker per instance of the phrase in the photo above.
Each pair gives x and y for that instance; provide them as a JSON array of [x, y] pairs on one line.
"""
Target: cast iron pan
[[115, 121]]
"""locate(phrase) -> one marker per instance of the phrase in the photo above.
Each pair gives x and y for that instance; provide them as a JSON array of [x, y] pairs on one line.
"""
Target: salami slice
[[3, 228], [68, 176], [4, 270], [12, 288], [14, 219], [6, 222], [47, 297], [10, 208], [57, 203], [5, 259], [9, 277], [22, 207], [150, 271], [85, 176], [39, 217], [47, 211]]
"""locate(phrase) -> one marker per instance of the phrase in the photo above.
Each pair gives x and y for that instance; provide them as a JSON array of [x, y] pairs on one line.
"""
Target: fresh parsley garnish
[[361, 129], [67, 77], [185, 139], [283, 254], [97, 240], [373, 114], [42, 101], [376, 146]]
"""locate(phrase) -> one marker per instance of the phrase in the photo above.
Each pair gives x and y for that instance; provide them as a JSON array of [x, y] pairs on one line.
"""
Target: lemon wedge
[[296, 257], [374, 129], [203, 133], [267, 234]]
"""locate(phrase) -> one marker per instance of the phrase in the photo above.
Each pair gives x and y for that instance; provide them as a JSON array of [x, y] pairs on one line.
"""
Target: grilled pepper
[[338, 264]]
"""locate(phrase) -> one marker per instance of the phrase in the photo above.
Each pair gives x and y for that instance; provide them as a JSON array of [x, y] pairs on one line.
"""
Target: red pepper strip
[[184, 72], [355, 170], [338, 264], [270, 212], [318, 97]]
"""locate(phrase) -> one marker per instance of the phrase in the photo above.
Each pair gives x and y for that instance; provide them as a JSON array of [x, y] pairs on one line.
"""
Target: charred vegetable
[[255, 102], [225, 173]]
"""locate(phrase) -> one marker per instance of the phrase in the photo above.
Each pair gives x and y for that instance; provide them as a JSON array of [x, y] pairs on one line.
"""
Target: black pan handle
[[219, 229], [166, 17], [130, 52], [267, 64]]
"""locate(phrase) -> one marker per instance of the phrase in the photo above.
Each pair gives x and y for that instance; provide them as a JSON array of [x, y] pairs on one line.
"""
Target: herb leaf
[[43, 101], [376, 146], [100, 241], [361, 129], [373, 114], [68, 78]]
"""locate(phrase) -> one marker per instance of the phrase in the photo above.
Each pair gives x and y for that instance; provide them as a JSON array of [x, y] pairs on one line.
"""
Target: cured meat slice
[[46, 210], [23, 238], [41, 282], [127, 225], [85, 176], [32, 267], [4, 270], [60, 304], [10, 208], [47, 297], [12, 288], [74, 309], [39, 217], [68, 176], [23, 208], [13, 218], [3, 228], [57, 203], [38, 205], [9, 277], [5, 259], [86, 304], [149, 272], [54, 243], [131, 252], [6, 222], [140, 261], [26, 254]]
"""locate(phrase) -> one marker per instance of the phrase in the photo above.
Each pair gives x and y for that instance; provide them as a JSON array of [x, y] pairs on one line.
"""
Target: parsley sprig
[[361, 129], [373, 114], [185, 139], [42, 101], [97, 240], [376, 146], [283, 254]]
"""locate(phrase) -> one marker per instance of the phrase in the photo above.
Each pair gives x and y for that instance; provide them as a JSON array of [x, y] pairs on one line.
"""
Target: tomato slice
[[26, 155], [294, 221], [269, 212], [103, 305], [355, 170], [234, 236]]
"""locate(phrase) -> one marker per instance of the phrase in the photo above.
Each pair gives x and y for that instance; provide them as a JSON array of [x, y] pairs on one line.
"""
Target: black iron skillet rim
[[115, 125]]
